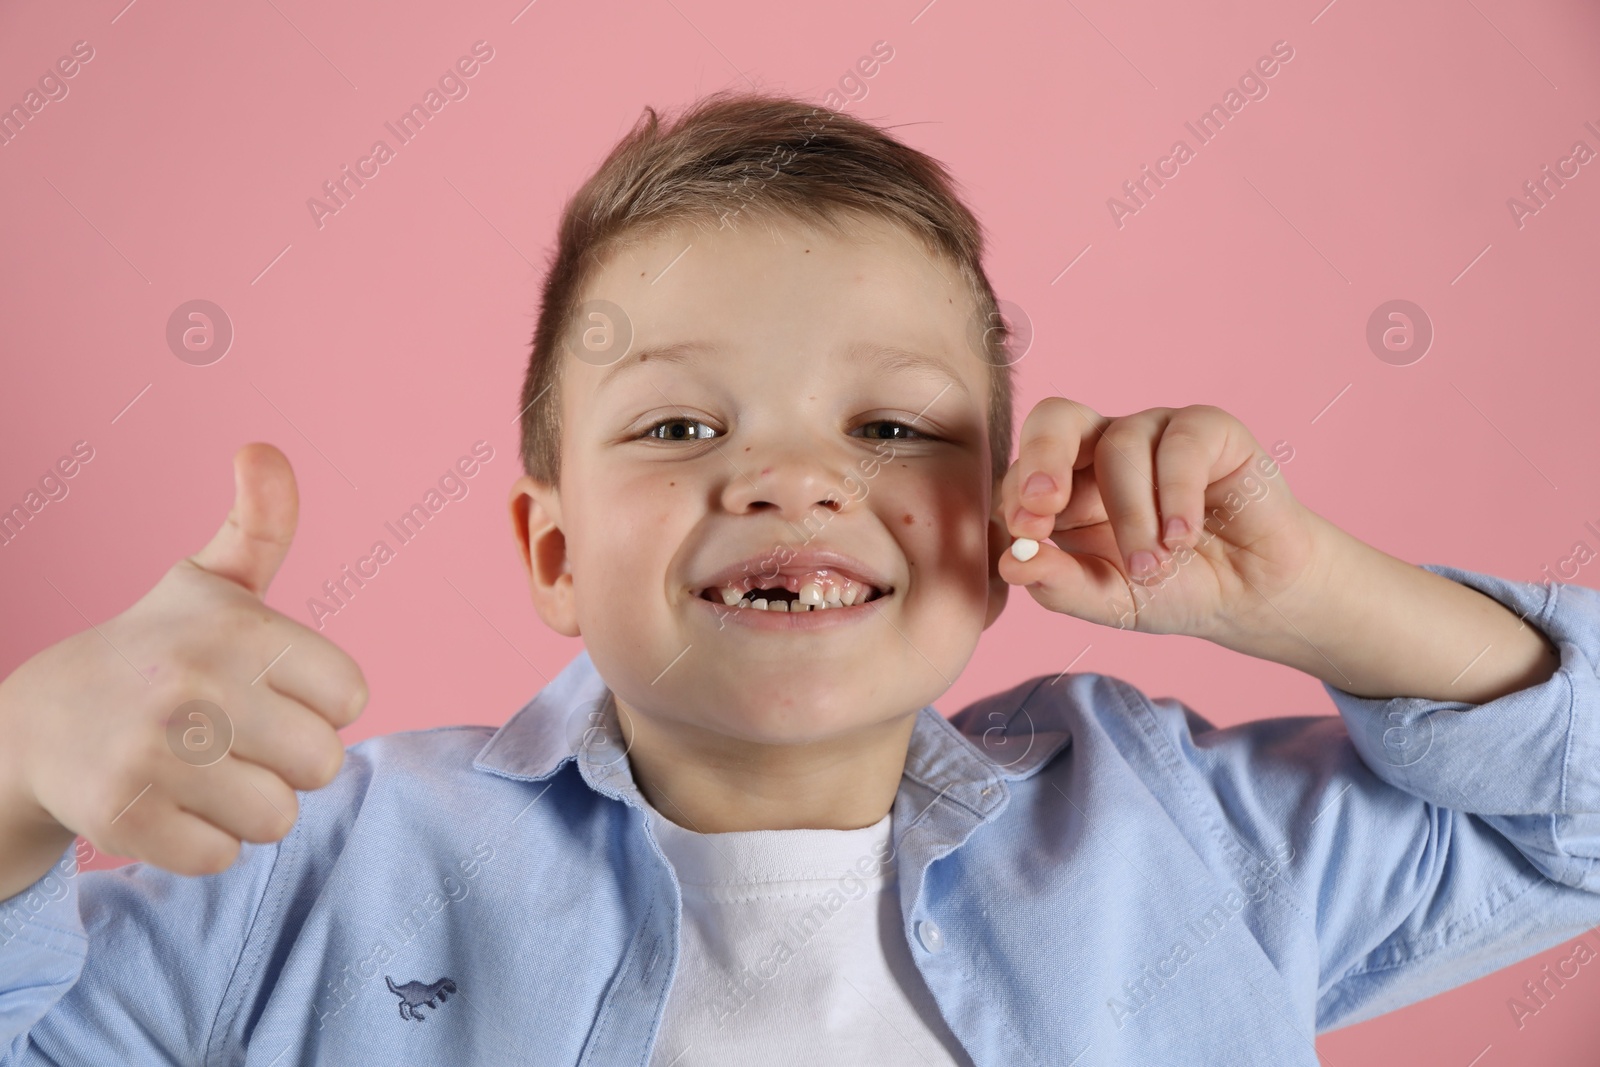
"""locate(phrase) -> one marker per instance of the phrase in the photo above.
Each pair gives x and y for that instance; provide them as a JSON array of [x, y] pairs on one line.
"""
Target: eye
[[893, 430], [680, 429]]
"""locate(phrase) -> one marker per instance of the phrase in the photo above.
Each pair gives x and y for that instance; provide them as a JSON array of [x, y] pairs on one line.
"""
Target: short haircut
[[757, 156]]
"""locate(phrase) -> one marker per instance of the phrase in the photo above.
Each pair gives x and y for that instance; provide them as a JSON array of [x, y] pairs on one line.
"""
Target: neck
[[712, 784]]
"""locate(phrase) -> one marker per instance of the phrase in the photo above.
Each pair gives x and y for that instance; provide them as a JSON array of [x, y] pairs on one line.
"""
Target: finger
[[1079, 584], [255, 537], [1125, 466], [1056, 438], [1058, 572], [289, 739], [319, 674], [1085, 506], [1198, 447], [240, 798], [157, 831]]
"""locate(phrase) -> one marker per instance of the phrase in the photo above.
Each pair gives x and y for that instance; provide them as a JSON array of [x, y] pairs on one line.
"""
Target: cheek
[[622, 546], [946, 546], [945, 532]]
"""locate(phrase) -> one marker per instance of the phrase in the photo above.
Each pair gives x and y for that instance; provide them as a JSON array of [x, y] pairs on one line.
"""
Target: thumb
[[1080, 584], [251, 545]]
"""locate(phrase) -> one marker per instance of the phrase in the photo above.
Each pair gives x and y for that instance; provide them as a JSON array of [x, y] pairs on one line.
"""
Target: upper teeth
[[831, 592]]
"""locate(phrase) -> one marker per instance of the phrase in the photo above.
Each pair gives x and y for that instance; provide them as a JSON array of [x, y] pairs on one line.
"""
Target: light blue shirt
[[1087, 875]]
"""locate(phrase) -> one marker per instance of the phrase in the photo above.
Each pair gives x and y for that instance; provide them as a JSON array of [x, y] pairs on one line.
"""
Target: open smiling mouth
[[795, 593]]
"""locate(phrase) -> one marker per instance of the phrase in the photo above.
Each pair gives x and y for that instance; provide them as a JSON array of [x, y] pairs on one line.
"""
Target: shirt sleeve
[[131, 965], [1428, 842], [1501, 859]]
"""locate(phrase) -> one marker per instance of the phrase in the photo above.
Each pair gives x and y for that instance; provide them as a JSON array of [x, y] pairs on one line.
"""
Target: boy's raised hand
[[1111, 487], [100, 735]]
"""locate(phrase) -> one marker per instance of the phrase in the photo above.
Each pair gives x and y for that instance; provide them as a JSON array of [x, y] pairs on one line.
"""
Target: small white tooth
[[833, 598], [730, 595], [777, 605], [759, 602], [810, 594], [745, 602], [848, 597], [797, 606]]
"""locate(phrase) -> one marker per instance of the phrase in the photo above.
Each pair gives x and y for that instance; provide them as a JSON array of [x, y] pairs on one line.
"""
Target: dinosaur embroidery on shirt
[[413, 995]]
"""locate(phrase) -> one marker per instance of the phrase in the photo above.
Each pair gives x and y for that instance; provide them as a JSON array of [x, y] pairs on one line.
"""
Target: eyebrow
[[679, 353], [893, 358], [887, 357]]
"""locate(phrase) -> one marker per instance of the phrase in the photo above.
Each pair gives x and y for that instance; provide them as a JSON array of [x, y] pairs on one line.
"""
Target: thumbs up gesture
[[183, 726]]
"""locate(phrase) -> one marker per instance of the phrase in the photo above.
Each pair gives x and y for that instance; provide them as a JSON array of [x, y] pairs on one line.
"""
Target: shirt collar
[[574, 718]]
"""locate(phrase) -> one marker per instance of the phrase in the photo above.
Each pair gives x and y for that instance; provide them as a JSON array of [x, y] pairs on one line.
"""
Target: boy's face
[[782, 441]]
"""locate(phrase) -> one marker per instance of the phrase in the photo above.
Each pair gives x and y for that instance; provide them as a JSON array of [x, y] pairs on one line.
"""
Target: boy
[[766, 443]]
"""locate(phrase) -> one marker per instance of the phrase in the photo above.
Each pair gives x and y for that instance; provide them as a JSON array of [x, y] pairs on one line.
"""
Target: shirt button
[[930, 936]]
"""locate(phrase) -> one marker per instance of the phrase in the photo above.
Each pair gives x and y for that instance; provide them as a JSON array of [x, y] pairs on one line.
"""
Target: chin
[[794, 718]]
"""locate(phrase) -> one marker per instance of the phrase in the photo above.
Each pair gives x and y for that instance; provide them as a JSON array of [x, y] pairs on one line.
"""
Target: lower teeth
[[787, 605]]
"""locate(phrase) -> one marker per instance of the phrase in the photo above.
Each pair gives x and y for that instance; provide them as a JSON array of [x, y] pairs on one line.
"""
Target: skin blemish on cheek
[[907, 519]]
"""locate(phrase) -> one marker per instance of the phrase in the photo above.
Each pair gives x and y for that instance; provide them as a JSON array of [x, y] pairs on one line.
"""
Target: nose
[[794, 481]]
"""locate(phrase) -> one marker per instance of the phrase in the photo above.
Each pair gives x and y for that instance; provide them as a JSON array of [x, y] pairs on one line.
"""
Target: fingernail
[[1038, 484], [1142, 563], [1177, 529]]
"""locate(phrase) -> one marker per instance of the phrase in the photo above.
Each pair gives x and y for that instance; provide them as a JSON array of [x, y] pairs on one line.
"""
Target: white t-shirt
[[792, 952]]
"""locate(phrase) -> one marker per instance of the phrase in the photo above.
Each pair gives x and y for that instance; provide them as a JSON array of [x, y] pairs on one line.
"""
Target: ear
[[999, 588], [536, 521]]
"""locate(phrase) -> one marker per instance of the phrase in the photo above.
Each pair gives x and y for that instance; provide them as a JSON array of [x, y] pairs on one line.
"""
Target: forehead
[[777, 288]]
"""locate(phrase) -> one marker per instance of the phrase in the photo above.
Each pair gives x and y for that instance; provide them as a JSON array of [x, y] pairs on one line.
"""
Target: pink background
[[376, 349]]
